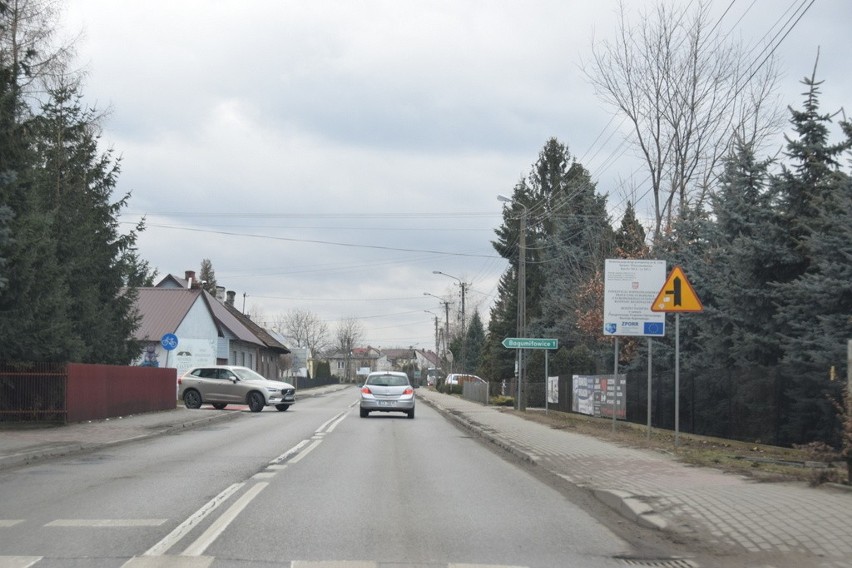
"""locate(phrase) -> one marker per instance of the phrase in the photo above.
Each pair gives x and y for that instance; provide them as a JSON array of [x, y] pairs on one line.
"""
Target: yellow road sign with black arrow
[[677, 295]]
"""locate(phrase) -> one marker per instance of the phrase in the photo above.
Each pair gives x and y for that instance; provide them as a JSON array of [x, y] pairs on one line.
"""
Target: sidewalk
[[23, 445], [728, 512]]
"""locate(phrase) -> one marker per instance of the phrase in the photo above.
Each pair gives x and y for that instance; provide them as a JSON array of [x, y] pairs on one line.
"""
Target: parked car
[[387, 391], [221, 385], [461, 378]]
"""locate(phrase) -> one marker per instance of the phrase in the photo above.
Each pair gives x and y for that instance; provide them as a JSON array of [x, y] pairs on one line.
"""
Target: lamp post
[[463, 286], [522, 293], [447, 321]]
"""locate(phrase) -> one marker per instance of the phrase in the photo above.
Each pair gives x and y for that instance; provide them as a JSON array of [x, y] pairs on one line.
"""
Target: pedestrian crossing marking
[[106, 523]]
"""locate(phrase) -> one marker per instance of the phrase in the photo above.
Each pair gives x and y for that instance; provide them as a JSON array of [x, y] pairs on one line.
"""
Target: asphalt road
[[313, 486]]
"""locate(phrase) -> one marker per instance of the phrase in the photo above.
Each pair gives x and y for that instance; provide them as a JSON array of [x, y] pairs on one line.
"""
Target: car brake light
[[409, 390], [366, 390]]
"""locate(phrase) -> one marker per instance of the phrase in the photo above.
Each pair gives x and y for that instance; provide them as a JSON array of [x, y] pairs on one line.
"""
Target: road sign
[[530, 343], [629, 287], [677, 295], [169, 341]]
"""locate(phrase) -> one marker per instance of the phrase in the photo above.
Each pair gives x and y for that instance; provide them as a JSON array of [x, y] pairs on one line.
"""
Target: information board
[[630, 287]]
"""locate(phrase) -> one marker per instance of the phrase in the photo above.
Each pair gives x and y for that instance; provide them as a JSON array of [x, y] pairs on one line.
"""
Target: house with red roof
[[209, 330]]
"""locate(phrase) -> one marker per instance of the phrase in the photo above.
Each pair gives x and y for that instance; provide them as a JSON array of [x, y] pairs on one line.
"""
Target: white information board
[[630, 287]]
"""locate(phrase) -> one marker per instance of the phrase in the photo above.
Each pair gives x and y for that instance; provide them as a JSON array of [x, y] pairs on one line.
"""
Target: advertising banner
[[597, 395]]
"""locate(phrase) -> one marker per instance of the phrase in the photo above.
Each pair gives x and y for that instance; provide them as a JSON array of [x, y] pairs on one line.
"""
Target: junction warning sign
[[677, 295]]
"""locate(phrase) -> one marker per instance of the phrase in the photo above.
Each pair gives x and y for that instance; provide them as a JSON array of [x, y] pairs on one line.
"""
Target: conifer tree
[[812, 288], [474, 342]]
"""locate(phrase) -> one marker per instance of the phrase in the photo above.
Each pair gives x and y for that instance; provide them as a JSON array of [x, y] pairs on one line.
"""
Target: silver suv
[[221, 385]]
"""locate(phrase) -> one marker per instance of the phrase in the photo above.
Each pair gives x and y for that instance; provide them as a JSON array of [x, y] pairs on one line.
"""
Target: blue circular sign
[[169, 341]]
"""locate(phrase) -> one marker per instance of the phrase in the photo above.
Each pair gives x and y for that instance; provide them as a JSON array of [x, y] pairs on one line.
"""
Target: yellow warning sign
[[677, 295]]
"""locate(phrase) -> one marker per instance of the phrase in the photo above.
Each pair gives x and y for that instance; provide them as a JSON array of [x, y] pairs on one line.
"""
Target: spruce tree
[[812, 289], [96, 260]]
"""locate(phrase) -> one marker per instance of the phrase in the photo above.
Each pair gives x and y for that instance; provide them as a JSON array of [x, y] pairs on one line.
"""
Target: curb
[[631, 507], [626, 504]]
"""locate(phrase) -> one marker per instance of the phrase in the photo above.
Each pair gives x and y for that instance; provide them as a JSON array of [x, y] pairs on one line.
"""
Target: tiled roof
[[258, 331], [162, 310], [227, 319]]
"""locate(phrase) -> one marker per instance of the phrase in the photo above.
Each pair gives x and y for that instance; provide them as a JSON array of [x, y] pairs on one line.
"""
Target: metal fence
[[35, 393]]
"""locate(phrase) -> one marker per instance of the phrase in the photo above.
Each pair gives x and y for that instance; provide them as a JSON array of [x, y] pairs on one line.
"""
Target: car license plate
[[387, 403]]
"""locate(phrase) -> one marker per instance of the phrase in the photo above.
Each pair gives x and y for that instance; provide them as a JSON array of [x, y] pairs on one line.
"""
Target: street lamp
[[463, 285], [522, 291], [447, 320]]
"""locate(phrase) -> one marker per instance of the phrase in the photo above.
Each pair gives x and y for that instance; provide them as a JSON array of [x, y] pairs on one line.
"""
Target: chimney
[[230, 300], [220, 293], [189, 276]]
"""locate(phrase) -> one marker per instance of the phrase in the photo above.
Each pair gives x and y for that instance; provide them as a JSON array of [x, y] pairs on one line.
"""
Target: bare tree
[[686, 90], [349, 334], [304, 328], [28, 45]]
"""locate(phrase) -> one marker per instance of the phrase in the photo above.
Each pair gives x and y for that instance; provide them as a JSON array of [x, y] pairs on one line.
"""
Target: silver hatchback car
[[221, 385], [387, 391]]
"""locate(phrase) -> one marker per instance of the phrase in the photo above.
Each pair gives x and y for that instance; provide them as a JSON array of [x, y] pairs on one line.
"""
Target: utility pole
[[522, 294], [522, 306], [463, 286], [447, 324]]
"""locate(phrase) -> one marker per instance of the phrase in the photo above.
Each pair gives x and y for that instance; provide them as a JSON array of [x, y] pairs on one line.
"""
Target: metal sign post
[[677, 295]]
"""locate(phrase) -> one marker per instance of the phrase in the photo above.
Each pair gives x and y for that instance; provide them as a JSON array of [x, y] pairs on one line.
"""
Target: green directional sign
[[530, 343]]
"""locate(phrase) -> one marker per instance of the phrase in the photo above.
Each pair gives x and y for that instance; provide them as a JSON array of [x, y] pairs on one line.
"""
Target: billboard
[[596, 395]]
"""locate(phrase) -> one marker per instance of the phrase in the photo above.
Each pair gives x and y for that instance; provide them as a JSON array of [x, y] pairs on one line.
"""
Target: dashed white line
[[18, 561], [186, 526], [198, 547], [106, 523]]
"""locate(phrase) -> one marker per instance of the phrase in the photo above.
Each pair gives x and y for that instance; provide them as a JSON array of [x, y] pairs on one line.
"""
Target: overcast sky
[[330, 155]]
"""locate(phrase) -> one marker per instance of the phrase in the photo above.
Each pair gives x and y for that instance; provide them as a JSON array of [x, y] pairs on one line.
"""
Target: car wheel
[[282, 407], [219, 405], [192, 399], [256, 401], [364, 413], [411, 413]]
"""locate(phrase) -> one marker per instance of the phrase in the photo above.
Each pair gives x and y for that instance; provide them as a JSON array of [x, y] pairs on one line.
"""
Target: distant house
[[361, 361], [209, 330], [364, 360], [400, 359]]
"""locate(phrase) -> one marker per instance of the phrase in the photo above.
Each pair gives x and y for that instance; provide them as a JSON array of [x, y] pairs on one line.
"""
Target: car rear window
[[387, 380]]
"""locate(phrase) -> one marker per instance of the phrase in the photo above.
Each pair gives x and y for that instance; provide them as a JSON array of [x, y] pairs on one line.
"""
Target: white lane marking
[[198, 547], [18, 561], [106, 523], [337, 418], [10, 522], [452, 565], [332, 564], [336, 422], [264, 475], [307, 450], [289, 453], [186, 526], [276, 467], [169, 562]]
